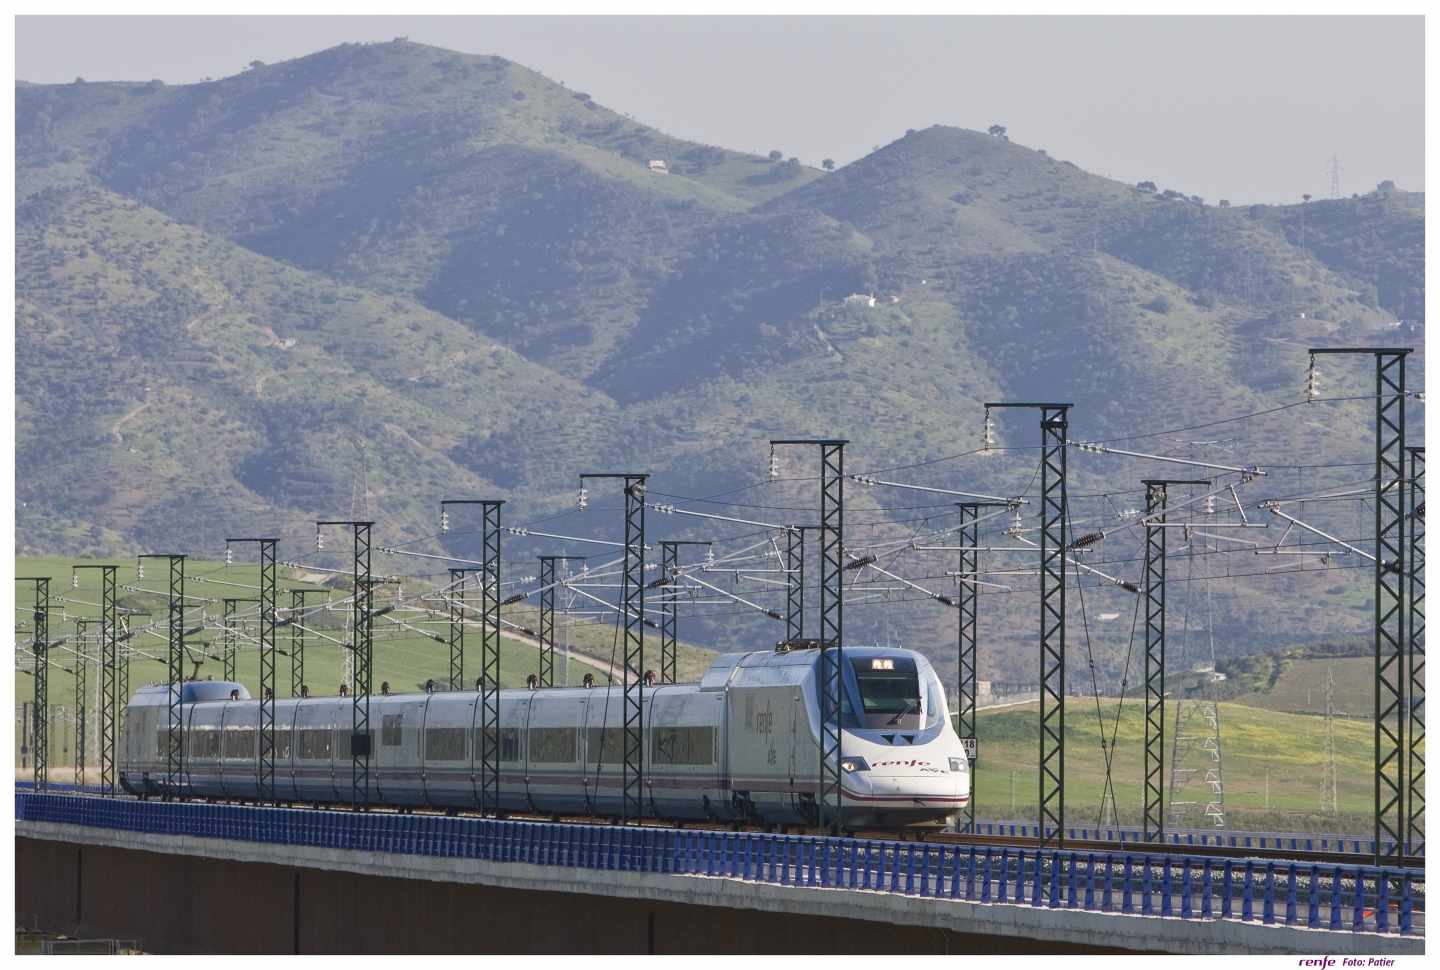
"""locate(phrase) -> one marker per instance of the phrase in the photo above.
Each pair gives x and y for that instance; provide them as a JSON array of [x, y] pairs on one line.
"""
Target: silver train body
[[741, 745]]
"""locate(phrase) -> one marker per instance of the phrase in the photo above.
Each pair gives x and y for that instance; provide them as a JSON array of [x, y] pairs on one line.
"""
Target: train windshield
[[890, 693]]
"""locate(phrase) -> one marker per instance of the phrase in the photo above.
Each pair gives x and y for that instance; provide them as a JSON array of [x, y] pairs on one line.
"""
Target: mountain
[[382, 275]]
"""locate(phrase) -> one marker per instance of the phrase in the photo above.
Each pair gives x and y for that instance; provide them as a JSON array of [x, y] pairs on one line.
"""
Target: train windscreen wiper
[[909, 706]]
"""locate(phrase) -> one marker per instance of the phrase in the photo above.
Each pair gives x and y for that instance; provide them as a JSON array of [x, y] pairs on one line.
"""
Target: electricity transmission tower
[[1196, 752], [1329, 781]]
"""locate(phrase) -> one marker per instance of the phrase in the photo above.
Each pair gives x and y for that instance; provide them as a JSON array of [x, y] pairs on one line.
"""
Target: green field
[[1288, 749]]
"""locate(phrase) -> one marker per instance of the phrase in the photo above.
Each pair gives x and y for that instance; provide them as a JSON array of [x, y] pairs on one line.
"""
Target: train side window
[[391, 734], [605, 746], [445, 744], [552, 745], [682, 746], [240, 743], [509, 745], [282, 744]]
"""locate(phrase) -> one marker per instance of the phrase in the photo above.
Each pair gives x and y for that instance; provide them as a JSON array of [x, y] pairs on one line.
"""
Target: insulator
[[584, 498], [319, 540], [1089, 539], [444, 520], [774, 465], [1312, 381], [74, 580], [1209, 505], [988, 437], [139, 569], [1015, 520], [860, 563], [229, 556], [710, 550]]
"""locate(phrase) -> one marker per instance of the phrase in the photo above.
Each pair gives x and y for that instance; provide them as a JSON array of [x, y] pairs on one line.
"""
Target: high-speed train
[[742, 745]]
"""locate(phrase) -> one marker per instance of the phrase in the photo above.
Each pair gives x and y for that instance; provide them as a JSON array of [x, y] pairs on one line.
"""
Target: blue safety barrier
[[1361, 898], [1282, 841]]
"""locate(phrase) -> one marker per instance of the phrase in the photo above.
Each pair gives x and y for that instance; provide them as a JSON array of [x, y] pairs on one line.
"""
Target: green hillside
[[368, 279]]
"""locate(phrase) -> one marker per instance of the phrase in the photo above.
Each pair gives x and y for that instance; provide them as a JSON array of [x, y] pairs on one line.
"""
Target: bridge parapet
[[1186, 903]]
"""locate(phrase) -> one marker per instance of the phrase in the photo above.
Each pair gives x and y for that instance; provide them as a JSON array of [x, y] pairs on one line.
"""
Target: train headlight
[[854, 764], [956, 765]]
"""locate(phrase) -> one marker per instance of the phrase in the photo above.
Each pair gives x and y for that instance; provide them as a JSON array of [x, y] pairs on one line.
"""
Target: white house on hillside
[[658, 165]]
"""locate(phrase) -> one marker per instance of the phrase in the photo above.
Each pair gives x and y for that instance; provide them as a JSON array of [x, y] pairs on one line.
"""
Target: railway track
[[1146, 848], [939, 837]]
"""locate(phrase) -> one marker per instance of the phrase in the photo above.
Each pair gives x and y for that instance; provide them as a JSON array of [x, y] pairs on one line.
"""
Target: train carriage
[[742, 744]]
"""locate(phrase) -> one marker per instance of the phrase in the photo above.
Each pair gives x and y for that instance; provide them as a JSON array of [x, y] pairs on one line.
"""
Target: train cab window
[[445, 744], [889, 689]]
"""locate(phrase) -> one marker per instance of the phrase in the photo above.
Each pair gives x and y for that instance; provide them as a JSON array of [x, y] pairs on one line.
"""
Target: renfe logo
[[912, 763], [1321, 962]]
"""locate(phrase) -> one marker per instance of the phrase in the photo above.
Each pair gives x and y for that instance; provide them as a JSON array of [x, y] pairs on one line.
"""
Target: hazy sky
[[1250, 109]]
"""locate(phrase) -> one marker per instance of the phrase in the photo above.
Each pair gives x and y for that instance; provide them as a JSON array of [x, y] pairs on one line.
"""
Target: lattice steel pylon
[[632, 612], [82, 665], [546, 634], [110, 700], [487, 710], [1156, 490], [1415, 669], [1054, 512], [670, 606], [967, 602], [297, 622], [794, 583], [40, 646], [1330, 780], [1197, 702], [265, 766], [1391, 714], [830, 800], [175, 675], [230, 634], [456, 599], [361, 655]]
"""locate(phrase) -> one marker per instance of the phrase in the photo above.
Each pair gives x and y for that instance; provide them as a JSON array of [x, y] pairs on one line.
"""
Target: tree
[[1385, 186], [1305, 197], [776, 154], [1224, 203], [828, 165], [1146, 186], [254, 64], [999, 131]]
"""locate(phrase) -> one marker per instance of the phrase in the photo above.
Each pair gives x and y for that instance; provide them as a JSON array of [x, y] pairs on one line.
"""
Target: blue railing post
[[1147, 900], [1407, 907], [1054, 880], [1207, 908], [1247, 906], [909, 869], [1166, 888], [1312, 913], [1004, 894], [1290, 896], [1335, 898], [1358, 917], [970, 867], [1382, 902], [1126, 904], [1187, 889], [854, 854], [894, 867], [985, 879], [1037, 884], [1108, 899], [1090, 880], [784, 845], [1074, 864], [925, 871], [1269, 911]]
